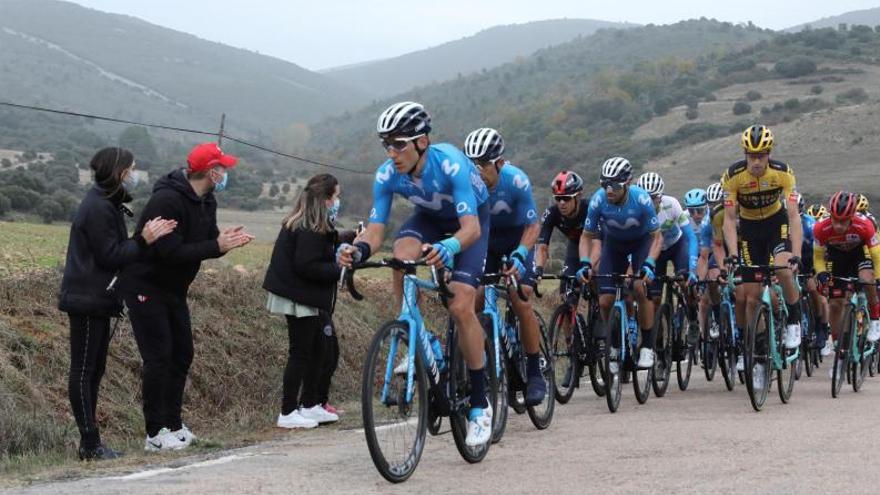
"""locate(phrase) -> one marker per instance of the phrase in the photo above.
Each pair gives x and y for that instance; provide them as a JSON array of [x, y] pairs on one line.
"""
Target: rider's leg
[[867, 276], [470, 334]]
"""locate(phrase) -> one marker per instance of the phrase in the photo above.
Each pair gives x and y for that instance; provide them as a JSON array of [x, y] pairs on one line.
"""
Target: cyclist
[[817, 211], [758, 185], [567, 214], [820, 302], [863, 207], [679, 244], [514, 230], [449, 197], [632, 238], [846, 245], [698, 209]]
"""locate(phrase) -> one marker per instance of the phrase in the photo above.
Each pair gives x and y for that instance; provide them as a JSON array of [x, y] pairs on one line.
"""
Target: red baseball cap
[[206, 155]]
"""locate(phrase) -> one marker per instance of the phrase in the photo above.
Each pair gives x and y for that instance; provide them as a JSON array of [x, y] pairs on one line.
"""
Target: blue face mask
[[220, 186], [333, 210], [131, 181]]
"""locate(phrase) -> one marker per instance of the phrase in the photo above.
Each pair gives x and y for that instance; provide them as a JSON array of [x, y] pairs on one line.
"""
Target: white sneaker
[[185, 435], [714, 332], [874, 332], [295, 420], [828, 349], [163, 442], [402, 367], [479, 427], [740, 363], [646, 359], [319, 414], [792, 336], [758, 376]]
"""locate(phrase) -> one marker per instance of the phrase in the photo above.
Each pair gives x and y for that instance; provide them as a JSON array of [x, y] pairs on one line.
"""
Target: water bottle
[[513, 344], [438, 352], [632, 330]]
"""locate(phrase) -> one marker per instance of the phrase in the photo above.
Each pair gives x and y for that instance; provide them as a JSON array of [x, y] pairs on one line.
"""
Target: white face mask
[[333, 210]]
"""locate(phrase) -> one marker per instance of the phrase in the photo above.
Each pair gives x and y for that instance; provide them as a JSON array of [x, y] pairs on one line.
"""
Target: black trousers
[[163, 333], [89, 341], [303, 363], [329, 360]]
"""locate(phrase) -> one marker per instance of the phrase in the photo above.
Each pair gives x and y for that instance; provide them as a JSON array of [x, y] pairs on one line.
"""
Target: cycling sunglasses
[[697, 211], [564, 198], [398, 144], [612, 184]]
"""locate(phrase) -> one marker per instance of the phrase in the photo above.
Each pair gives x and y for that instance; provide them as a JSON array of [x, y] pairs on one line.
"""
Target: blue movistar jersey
[[450, 186], [633, 219], [700, 229], [807, 224], [706, 233], [511, 203]]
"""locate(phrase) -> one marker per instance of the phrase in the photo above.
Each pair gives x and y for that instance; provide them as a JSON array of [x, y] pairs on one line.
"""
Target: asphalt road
[[699, 441]]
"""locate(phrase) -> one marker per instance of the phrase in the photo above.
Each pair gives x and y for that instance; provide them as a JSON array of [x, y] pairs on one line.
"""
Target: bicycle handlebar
[[346, 277]]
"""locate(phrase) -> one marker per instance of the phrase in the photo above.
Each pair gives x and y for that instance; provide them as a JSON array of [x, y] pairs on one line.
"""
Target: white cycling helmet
[[406, 118], [651, 182], [714, 193], [484, 144], [617, 169]]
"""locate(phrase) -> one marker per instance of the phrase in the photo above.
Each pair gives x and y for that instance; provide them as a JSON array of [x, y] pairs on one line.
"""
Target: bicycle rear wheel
[[500, 393], [564, 354], [709, 357], [458, 418], [595, 352], [663, 352], [685, 366], [613, 362], [542, 414], [757, 362], [394, 428], [808, 323], [727, 352]]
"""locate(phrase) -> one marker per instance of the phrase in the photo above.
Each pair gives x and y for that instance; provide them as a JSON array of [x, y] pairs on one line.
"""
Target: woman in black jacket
[[98, 248], [301, 280]]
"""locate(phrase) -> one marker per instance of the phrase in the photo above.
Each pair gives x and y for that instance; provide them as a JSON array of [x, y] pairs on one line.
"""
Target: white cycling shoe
[[740, 363], [874, 332], [792, 336], [646, 359], [828, 349], [479, 426]]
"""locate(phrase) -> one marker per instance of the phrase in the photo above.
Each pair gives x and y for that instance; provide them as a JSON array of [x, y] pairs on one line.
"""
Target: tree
[[753, 95], [138, 140], [741, 108], [692, 113], [5, 205], [795, 66]]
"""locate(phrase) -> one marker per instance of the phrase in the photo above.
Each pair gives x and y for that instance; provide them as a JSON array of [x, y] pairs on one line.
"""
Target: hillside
[[485, 50], [868, 17], [124, 67]]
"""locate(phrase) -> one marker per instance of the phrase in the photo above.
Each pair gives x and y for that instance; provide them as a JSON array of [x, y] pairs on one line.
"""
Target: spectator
[[301, 281], [97, 249], [155, 290]]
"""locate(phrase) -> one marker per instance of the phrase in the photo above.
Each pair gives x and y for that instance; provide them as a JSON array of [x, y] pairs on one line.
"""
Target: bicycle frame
[[768, 288]]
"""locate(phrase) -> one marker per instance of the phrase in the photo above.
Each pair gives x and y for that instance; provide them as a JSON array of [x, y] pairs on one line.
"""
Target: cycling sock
[[533, 366], [716, 310], [794, 313], [648, 337], [478, 388]]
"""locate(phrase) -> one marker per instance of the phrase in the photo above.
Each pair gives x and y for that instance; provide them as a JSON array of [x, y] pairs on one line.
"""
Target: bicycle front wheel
[[842, 354], [458, 418], [496, 364], [613, 362], [663, 351], [757, 359], [685, 365], [859, 367], [564, 354], [542, 414], [394, 426], [727, 351]]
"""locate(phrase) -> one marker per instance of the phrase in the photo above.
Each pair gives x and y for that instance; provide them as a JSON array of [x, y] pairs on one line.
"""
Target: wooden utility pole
[[222, 128]]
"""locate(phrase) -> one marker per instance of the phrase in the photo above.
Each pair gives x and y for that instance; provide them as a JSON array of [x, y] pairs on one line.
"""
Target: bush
[[792, 104], [852, 96], [766, 110], [50, 210], [817, 89], [692, 102], [5, 205], [710, 97], [741, 108], [795, 67], [692, 113], [6, 163], [661, 106], [753, 95]]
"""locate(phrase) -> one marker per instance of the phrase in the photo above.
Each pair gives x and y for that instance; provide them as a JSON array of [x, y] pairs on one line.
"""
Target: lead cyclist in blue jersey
[[631, 238], [451, 222], [513, 234]]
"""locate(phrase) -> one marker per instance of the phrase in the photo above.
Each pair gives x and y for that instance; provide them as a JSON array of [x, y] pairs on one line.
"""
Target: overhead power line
[[220, 134]]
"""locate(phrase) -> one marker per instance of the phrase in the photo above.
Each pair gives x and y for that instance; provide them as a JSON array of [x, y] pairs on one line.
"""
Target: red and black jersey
[[570, 227], [859, 234]]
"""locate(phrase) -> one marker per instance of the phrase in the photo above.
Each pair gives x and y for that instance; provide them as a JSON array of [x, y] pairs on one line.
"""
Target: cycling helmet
[[651, 182], [617, 169], [714, 193], [817, 211], [567, 183], [862, 205], [757, 139], [695, 198], [843, 205], [484, 144], [406, 118], [801, 202]]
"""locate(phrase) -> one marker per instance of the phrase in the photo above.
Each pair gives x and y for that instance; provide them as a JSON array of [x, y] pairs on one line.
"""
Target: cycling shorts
[[615, 258], [759, 240], [469, 264], [502, 242], [678, 255], [846, 264]]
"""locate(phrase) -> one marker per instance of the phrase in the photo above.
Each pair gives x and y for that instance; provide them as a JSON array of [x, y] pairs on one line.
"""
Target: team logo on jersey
[[545, 215], [531, 214], [500, 207], [383, 174], [373, 213], [644, 200], [594, 203], [628, 224], [451, 169], [461, 207], [521, 182], [435, 204]]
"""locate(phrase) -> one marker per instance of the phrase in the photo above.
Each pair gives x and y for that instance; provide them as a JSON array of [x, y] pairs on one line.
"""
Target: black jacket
[[303, 268], [97, 249], [175, 259]]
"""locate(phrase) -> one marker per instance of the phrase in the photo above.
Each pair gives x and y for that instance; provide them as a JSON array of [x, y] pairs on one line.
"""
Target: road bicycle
[[853, 354]]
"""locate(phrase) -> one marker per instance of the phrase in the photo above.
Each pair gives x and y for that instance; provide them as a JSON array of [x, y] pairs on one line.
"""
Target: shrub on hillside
[[5, 205], [852, 96], [741, 108], [795, 67], [817, 89], [692, 114], [736, 65], [753, 95], [792, 104]]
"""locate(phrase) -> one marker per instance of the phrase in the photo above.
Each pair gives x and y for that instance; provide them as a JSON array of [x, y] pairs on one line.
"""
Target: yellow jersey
[[758, 197]]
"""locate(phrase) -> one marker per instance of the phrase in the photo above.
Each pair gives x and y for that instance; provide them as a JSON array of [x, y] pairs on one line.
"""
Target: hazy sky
[[328, 33]]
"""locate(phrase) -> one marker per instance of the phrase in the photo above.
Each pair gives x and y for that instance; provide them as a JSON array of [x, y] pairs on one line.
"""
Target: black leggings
[[164, 338], [329, 361], [303, 363], [89, 340]]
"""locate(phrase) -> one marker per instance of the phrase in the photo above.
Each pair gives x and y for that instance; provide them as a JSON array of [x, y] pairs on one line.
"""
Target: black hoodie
[[175, 259], [97, 249]]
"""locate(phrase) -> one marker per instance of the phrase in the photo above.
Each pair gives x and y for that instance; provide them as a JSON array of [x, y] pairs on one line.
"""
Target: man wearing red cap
[[155, 290]]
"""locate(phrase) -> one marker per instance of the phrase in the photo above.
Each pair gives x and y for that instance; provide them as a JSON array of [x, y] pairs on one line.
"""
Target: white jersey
[[672, 218]]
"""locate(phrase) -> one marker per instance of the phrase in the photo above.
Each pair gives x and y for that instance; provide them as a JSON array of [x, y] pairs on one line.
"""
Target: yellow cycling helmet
[[862, 206], [817, 211], [757, 139]]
